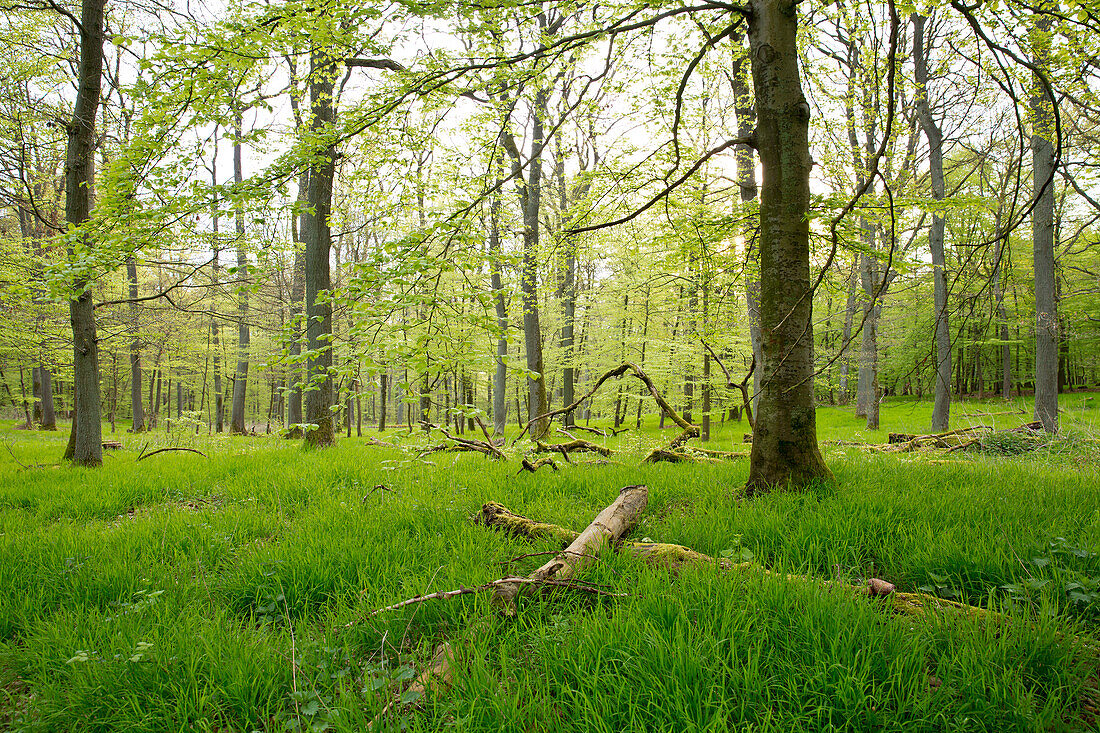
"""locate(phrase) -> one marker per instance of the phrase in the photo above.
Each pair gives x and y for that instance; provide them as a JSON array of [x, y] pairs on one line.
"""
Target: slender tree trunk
[[941, 410], [136, 406], [383, 392], [49, 416], [1042, 227], [532, 331], [784, 446], [849, 315], [240, 381], [85, 446], [500, 371], [746, 182], [318, 244]]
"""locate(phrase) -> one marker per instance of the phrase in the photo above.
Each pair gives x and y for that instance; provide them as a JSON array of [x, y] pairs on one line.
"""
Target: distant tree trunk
[[784, 446], [240, 381], [85, 446], [383, 392], [941, 410], [532, 332], [49, 417], [746, 182], [136, 406], [28, 423], [500, 372], [1042, 227], [318, 244], [846, 338]]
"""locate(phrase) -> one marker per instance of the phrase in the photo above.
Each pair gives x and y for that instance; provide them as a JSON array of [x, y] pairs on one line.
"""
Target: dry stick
[[673, 557], [475, 445], [444, 595], [143, 456], [531, 467]]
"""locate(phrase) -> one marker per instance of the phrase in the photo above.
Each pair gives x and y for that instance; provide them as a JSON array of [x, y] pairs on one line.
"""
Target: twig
[[162, 450], [20, 463], [445, 594]]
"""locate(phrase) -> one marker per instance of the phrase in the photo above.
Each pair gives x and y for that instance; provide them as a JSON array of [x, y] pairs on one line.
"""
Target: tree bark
[[532, 332], [240, 380], [941, 409], [784, 447], [318, 244], [1042, 228], [85, 446]]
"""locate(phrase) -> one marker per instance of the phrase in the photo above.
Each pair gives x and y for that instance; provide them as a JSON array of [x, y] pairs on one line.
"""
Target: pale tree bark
[[1042, 228], [532, 331], [136, 405], [85, 446], [297, 292], [318, 244], [941, 410], [240, 379], [500, 372], [746, 182], [846, 337], [784, 446]]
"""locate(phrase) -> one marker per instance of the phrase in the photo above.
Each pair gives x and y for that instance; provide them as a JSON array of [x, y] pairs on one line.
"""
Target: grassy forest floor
[[232, 592]]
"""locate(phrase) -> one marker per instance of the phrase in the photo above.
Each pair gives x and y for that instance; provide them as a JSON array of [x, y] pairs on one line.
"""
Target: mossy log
[[609, 526], [691, 455], [573, 446], [532, 466], [673, 557]]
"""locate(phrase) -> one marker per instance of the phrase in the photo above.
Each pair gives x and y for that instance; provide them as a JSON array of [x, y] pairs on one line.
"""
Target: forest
[[541, 364]]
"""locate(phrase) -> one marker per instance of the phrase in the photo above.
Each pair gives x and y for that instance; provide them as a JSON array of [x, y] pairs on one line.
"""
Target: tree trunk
[[500, 372], [85, 446], [941, 410], [784, 446], [49, 416], [318, 244], [846, 336], [532, 332], [746, 182], [240, 381], [1042, 227]]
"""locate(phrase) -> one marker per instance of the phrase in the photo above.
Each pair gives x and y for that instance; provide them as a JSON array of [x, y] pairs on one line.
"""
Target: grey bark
[[85, 446], [500, 371], [318, 244], [1042, 227], [784, 447], [941, 410], [240, 379]]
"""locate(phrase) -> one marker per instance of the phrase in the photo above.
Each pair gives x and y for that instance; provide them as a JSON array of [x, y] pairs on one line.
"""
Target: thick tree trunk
[[1042, 228], [941, 410], [240, 381], [784, 446], [85, 446], [318, 244]]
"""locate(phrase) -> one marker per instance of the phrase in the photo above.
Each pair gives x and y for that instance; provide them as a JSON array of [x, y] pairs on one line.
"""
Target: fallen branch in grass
[[692, 455], [532, 466], [609, 526], [143, 455], [573, 446], [594, 431], [485, 447], [673, 557]]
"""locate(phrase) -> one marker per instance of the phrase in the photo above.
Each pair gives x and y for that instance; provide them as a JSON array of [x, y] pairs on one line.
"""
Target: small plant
[[939, 587], [737, 553]]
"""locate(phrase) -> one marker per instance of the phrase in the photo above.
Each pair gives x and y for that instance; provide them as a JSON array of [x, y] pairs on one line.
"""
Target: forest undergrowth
[[233, 592]]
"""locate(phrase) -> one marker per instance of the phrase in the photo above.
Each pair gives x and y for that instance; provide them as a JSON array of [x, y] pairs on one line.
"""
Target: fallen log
[[691, 455], [574, 446], [608, 526], [532, 466], [673, 557]]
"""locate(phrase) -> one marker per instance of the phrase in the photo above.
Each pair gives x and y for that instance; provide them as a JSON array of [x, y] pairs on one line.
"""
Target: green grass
[[231, 593]]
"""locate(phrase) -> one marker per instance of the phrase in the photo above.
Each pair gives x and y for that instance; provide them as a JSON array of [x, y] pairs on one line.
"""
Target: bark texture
[[1042, 229], [941, 410], [318, 244], [240, 380], [784, 447], [85, 446]]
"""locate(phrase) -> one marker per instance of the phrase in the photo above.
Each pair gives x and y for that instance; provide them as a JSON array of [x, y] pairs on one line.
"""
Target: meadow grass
[[232, 592]]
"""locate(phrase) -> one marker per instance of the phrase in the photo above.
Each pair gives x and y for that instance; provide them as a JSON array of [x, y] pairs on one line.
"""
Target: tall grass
[[231, 593]]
